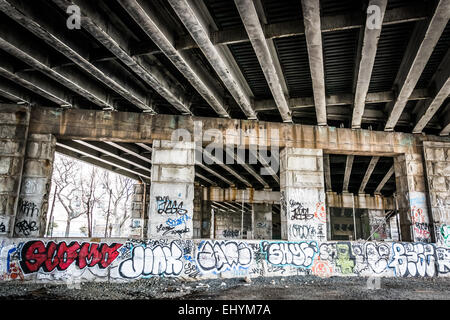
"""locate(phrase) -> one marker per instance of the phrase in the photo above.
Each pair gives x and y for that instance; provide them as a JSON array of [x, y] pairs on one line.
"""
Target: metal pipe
[[354, 218]]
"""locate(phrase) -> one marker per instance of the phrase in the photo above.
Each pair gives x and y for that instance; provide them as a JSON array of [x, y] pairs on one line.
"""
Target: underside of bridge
[[355, 91]]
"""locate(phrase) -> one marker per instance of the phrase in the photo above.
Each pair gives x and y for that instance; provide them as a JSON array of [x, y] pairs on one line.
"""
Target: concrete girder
[[249, 169], [340, 99], [128, 149], [110, 151], [35, 56], [364, 65], [330, 23], [205, 179], [265, 164], [147, 68], [54, 36], [441, 87], [255, 33], [36, 83], [384, 180], [144, 146], [201, 165], [96, 155], [416, 56], [15, 93], [132, 127], [99, 163], [348, 171], [191, 19], [370, 168], [227, 168], [446, 122], [313, 35], [156, 30]]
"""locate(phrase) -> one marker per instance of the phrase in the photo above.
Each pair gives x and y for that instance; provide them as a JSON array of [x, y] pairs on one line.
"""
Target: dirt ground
[[275, 288]]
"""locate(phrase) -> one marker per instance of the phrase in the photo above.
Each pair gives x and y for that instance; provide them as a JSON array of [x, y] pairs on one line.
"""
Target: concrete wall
[[14, 122], [66, 260], [437, 165]]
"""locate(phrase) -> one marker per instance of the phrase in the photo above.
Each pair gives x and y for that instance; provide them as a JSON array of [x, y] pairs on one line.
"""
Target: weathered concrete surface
[[171, 207], [62, 260], [262, 221], [31, 217], [302, 187], [138, 127], [14, 121]]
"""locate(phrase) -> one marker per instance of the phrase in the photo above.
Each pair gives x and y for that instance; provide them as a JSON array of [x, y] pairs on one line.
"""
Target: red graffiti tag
[[36, 255], [320, 213]]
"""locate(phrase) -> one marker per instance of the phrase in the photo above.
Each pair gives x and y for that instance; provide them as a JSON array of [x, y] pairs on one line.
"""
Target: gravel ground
[[274, 288]]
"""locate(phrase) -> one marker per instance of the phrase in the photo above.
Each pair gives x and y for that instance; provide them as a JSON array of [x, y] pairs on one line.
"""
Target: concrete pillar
[[379, 228], [171, 205], [437, 164], [262, 221], [411, 198], [303, 215], [197, 216], [139, 210], [228, 224], [31, 217], [14, 121]]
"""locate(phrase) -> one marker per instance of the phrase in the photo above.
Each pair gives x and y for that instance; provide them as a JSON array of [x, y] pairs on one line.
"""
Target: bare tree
[[119, 189], [90, 196], [66, 187]]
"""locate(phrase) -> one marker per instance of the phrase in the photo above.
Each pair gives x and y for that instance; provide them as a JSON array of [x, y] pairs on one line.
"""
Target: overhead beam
[[147, 68], [129, 149], [440, 85], [340, 99], [161, 36], [368, 51], [446, 121], [34, 54], [248, 168], [373, 162], [265, 164], [189, 16], [255, 33], [93, 161], [329, 23], [419, 50], [348, 171], [201, 165], [385, 179], [227, 168], [205, 179], [55, 36], [112, 152], [313, 35], [91, 153]]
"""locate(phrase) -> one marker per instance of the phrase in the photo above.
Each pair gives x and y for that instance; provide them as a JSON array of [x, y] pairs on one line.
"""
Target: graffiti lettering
[[157, 260], [413, 259], [320, 213], [176, 222], [36, 255], [299, 212], [27, 208], [167, 206], [171, 230], [297, 254], [24, 227], [220, 256], [231, 233], [301, 231], [443, 259], [2, 227], [345, 260], [445, 233]]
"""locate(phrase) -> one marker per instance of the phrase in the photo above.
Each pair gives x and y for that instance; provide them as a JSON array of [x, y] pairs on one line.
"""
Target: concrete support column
[[411, 198], [303, 214], [262, 221], [379, 228], [171, 205], [206, 219], [14, 121], [31, 217], [197, 216], [437, 164], [139, 210]]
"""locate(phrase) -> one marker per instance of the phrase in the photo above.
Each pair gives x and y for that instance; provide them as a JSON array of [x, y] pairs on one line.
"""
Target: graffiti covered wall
[[124, 260]]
